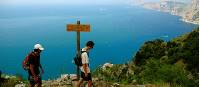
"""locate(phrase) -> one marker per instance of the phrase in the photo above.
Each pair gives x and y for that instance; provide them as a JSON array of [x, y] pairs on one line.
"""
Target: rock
[[134, 81], [20, 85], [73, 77], [95, 79], [107, 65], [64, 81], [116, 85], [10, 77], [140, 85], [64, 76]]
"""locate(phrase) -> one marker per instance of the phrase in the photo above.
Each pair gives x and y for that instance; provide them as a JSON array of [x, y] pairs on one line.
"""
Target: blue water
[[118, 32]]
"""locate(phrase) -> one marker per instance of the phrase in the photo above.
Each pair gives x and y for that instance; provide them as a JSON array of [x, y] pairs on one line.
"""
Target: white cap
[[38, 46]]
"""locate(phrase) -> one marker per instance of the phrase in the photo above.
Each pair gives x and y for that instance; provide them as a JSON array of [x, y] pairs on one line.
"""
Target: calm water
[[118, 32]]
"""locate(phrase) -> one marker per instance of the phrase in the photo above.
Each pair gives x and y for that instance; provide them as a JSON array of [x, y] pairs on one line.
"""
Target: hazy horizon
[[72, 2]]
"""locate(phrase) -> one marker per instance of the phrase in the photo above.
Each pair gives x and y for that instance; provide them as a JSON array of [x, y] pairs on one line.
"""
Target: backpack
[[78, 60], [25, 62]]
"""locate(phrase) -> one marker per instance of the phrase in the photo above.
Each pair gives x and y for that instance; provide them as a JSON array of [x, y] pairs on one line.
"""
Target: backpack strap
[[32, 53], [84, 51]]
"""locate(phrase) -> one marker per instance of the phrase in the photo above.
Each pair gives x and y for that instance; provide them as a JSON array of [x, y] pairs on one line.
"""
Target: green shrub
[[154, 71]]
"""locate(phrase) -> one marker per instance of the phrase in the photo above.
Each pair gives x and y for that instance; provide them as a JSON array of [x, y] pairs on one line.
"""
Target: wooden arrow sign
[[78, 27]]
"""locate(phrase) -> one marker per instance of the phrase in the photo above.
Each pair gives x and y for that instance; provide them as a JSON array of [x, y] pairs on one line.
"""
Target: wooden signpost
[[78, 28]]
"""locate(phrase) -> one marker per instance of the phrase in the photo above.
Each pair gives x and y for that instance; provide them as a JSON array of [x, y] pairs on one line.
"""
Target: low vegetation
[[174, 63]]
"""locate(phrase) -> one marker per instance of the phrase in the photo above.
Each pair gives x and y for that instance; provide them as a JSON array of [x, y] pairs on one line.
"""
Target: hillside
[[160, 63], [188, 11], [192, 12]]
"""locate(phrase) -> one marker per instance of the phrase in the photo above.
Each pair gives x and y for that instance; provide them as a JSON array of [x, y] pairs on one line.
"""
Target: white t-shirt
[[85, 60]]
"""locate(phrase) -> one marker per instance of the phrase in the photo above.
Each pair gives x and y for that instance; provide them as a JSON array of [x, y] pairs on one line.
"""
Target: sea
[[117, 31]]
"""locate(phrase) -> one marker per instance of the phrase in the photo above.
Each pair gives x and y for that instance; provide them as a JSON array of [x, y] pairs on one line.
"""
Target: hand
[[35, 78], [42, 71]]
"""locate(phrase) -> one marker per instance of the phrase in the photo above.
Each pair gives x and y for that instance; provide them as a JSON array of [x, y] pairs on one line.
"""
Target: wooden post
[[78, 28], [78, 49]]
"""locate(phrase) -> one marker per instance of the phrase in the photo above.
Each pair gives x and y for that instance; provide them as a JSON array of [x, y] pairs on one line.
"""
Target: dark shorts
[[32, 82], [89, 77]]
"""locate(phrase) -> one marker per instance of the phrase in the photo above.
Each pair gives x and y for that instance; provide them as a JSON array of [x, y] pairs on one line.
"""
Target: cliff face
[[188, 11], [175, 8], [192, 12]]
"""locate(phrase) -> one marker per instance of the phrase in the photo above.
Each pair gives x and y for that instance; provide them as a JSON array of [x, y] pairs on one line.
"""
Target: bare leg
[[90, 83], [39, 84], [30, 85], [79, 82]]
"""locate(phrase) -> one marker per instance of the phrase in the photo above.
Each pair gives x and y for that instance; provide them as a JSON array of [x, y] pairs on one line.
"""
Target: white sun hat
[[38, 46]]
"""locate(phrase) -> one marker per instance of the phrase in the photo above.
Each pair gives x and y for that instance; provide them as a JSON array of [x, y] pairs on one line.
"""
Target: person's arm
[[85, 68], [41, 68], [85, 63]]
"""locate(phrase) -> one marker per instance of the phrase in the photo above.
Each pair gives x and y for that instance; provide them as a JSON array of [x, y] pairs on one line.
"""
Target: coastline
[[188, 21], [181, 19]]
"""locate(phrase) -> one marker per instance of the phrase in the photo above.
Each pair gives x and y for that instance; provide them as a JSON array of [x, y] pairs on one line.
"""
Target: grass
[[11, 81], [165, 84]]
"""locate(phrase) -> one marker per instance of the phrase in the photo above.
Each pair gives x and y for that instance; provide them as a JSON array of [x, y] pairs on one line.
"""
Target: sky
[[70, 2], [62, 2]]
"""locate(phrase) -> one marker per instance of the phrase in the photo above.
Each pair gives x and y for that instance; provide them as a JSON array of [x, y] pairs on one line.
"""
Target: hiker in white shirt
[[85, 70]]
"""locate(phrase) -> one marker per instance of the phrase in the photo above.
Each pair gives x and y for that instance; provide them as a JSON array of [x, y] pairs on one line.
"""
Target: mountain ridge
[[188, 11]]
